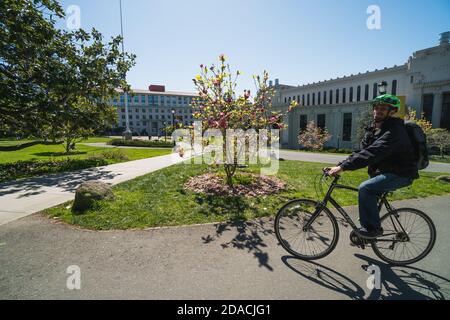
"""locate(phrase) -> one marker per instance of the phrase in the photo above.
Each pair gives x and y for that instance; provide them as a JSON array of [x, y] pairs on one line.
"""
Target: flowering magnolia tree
[[313, 137], [219, 107]]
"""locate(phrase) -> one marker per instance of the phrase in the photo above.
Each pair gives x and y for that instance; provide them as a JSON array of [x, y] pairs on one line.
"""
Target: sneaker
[[372, 234]]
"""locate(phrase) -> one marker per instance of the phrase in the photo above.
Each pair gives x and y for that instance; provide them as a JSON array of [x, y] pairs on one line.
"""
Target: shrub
[[21, 169], [141, 143]]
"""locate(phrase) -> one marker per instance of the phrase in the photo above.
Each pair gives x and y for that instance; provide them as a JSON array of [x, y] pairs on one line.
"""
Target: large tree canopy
[[50, 77]]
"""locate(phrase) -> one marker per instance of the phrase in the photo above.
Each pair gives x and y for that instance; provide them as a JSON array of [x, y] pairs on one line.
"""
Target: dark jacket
[[387, 151]]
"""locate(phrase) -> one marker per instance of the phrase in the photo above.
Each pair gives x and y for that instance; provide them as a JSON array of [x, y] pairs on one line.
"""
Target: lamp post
[[165, 131], [127, 134], [382, 87], [173, 120]]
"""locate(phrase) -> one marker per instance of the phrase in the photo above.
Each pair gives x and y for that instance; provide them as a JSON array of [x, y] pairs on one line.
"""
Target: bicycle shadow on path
[[407, 283], [397, 283], [325, 277]]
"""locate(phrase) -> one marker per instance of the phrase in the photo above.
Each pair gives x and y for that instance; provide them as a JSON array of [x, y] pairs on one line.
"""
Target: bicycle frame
[[329, 198]]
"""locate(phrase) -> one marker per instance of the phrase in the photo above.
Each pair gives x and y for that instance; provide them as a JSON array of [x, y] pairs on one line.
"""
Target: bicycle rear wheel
[[409, 235], [316, 242]]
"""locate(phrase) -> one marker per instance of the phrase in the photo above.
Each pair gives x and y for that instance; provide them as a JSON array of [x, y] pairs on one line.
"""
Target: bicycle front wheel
[[313, 243], [409, 235]]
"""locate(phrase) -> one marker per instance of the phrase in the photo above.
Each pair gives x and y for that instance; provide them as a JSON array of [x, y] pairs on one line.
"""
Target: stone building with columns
[[422, 83]]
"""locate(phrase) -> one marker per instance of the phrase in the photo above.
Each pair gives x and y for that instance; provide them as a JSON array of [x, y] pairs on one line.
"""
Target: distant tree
[[50, 79], [439, 138], [313, 137], [411, 115], [364, 120]]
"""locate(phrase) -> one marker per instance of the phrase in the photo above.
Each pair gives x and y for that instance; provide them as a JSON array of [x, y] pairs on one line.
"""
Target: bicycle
[[315, 228]]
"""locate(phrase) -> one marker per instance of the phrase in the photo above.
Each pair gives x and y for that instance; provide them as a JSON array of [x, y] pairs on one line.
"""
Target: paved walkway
[[214, 261], [23, 197], [334, 159]]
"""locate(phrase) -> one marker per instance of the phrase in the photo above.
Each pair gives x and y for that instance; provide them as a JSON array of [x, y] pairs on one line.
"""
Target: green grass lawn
[[159, 199], [55, 152], [445, 159]]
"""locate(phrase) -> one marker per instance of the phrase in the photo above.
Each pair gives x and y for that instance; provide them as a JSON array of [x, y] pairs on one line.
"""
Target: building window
[[344, 95], [366, 92], [394, 87], [445, 114], [123, 109], [331, 97], [375, 90], [307, 97], [143, 99], [350, 98], [411, 80], [427, 106], [314, 99], [318, 98], [303, 99], [324, 97], [123, 117], [298, 99], [303, 122], [136, 99], [358, 94], [337, 95], [321, 121], [285, 100], [347, 127]]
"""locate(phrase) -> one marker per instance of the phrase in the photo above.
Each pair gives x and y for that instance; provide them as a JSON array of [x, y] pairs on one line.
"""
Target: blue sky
[[296, 41]]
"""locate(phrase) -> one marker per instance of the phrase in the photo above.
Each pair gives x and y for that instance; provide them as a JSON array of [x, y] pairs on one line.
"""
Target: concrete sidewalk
[[335, 158], [23, 197]]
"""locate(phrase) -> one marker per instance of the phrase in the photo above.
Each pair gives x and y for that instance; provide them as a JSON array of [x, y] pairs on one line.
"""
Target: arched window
[[344, 95], [366, 92], [358, 93], [337, 95], [350, 99], [318, 98], [375, 90], [394, 87], [308, 100], [331, 97], [314, 99], [324, 97]]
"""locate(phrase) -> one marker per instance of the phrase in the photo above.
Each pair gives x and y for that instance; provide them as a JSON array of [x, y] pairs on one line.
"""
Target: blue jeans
[[369, 193]]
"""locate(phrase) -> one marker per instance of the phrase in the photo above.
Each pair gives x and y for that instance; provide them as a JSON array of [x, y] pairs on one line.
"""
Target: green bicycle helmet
[[388, 99]]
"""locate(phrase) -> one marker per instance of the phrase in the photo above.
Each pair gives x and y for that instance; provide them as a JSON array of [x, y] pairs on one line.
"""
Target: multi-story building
[[150, 111], [423, 84]]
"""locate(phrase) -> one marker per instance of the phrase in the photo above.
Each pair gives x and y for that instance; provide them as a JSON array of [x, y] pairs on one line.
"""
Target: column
[[437, 110]]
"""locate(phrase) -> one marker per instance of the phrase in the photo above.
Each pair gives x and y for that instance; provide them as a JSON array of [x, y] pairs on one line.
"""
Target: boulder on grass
[[89, 192], [444, 179]]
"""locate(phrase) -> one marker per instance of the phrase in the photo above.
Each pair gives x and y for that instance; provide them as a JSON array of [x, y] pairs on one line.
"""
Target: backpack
[[419, 142]]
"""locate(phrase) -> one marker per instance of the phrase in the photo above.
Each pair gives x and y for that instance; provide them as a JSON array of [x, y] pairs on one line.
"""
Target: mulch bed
[[212, 184]]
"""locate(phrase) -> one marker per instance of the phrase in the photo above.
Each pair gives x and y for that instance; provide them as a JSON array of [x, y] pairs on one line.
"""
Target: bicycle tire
[[285, 244], [421, 255]]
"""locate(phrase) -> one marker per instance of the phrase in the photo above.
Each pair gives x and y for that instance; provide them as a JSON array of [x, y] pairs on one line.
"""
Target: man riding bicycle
[[389, 154]]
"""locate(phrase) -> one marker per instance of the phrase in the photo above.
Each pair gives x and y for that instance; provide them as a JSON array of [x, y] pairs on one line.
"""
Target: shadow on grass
[[247, 235], [216, 205], [58, 154], [67, 181]]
